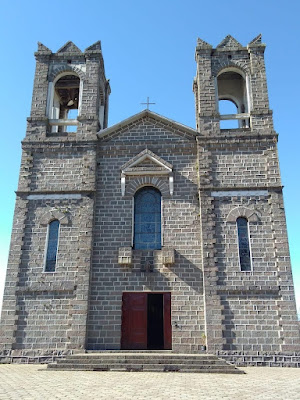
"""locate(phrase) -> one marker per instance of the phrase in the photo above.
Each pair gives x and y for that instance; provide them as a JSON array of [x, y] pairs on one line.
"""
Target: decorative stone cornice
[[156, 166]]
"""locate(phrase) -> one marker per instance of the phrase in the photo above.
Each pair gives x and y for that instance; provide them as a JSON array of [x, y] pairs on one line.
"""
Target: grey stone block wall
[[113, 229]]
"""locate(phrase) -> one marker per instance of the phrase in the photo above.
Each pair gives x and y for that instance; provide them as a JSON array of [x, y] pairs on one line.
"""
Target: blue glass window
[[244, 245], [147, 219], [52, 243]]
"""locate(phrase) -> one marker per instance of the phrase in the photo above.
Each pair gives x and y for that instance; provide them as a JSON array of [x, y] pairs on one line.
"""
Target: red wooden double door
[[146, 321]]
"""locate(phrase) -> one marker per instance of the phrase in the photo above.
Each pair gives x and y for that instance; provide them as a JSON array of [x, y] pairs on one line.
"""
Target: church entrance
[[146, 321]]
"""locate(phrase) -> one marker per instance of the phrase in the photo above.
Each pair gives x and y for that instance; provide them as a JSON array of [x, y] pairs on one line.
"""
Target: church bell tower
[[70, 92], [47, 282], [246, 265]]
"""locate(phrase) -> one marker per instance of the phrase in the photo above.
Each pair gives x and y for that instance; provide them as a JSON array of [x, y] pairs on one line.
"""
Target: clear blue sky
[[148, 49]]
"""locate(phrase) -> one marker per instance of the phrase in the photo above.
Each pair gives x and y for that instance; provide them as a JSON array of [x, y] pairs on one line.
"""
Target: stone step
[[141, 357], [105, 364], [145, 368], [158, 356], [143, 361], [128, 351]]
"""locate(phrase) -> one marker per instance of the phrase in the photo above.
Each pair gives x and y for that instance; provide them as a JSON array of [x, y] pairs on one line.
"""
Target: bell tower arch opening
[[228, 107], [232, 89], [65, 102]]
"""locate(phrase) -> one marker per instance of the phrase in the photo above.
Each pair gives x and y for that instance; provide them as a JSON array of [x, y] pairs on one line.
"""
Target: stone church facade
[[149, 234]]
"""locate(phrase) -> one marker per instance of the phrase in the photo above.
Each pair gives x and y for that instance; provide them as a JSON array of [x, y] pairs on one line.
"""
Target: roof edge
[[145, 113]]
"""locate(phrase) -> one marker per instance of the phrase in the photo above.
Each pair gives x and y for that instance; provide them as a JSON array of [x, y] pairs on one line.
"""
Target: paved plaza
[[35, 382]]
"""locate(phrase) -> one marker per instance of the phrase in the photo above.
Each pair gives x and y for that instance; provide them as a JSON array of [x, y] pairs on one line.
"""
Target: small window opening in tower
[[227, 107], [72, 114], [232, 92], [66, 102]]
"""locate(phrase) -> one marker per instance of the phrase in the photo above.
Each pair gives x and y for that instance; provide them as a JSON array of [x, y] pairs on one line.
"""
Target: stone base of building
[[261, 359], [32, 356], [240, 359]]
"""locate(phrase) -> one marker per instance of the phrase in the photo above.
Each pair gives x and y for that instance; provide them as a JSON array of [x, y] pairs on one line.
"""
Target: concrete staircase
[[150, 361]]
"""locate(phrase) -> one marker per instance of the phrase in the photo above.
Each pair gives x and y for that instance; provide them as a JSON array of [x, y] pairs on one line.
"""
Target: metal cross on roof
[[148, 103]]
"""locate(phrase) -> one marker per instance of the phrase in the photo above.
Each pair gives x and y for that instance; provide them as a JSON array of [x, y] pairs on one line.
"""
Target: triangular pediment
[[201, 44], [256, 40], [147, 117], [229, 43], [94, 47], [69, 47], [43, 49], [146, 162], [256, 43], [149, 165]]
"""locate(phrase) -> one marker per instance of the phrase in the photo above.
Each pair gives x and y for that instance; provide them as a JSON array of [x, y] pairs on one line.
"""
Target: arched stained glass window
[[147, 219], [244, 244], [52, 243]]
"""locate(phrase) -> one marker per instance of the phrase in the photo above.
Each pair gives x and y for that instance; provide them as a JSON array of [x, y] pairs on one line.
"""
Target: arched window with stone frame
[[147, 219], [244, 247], [52, 246]]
